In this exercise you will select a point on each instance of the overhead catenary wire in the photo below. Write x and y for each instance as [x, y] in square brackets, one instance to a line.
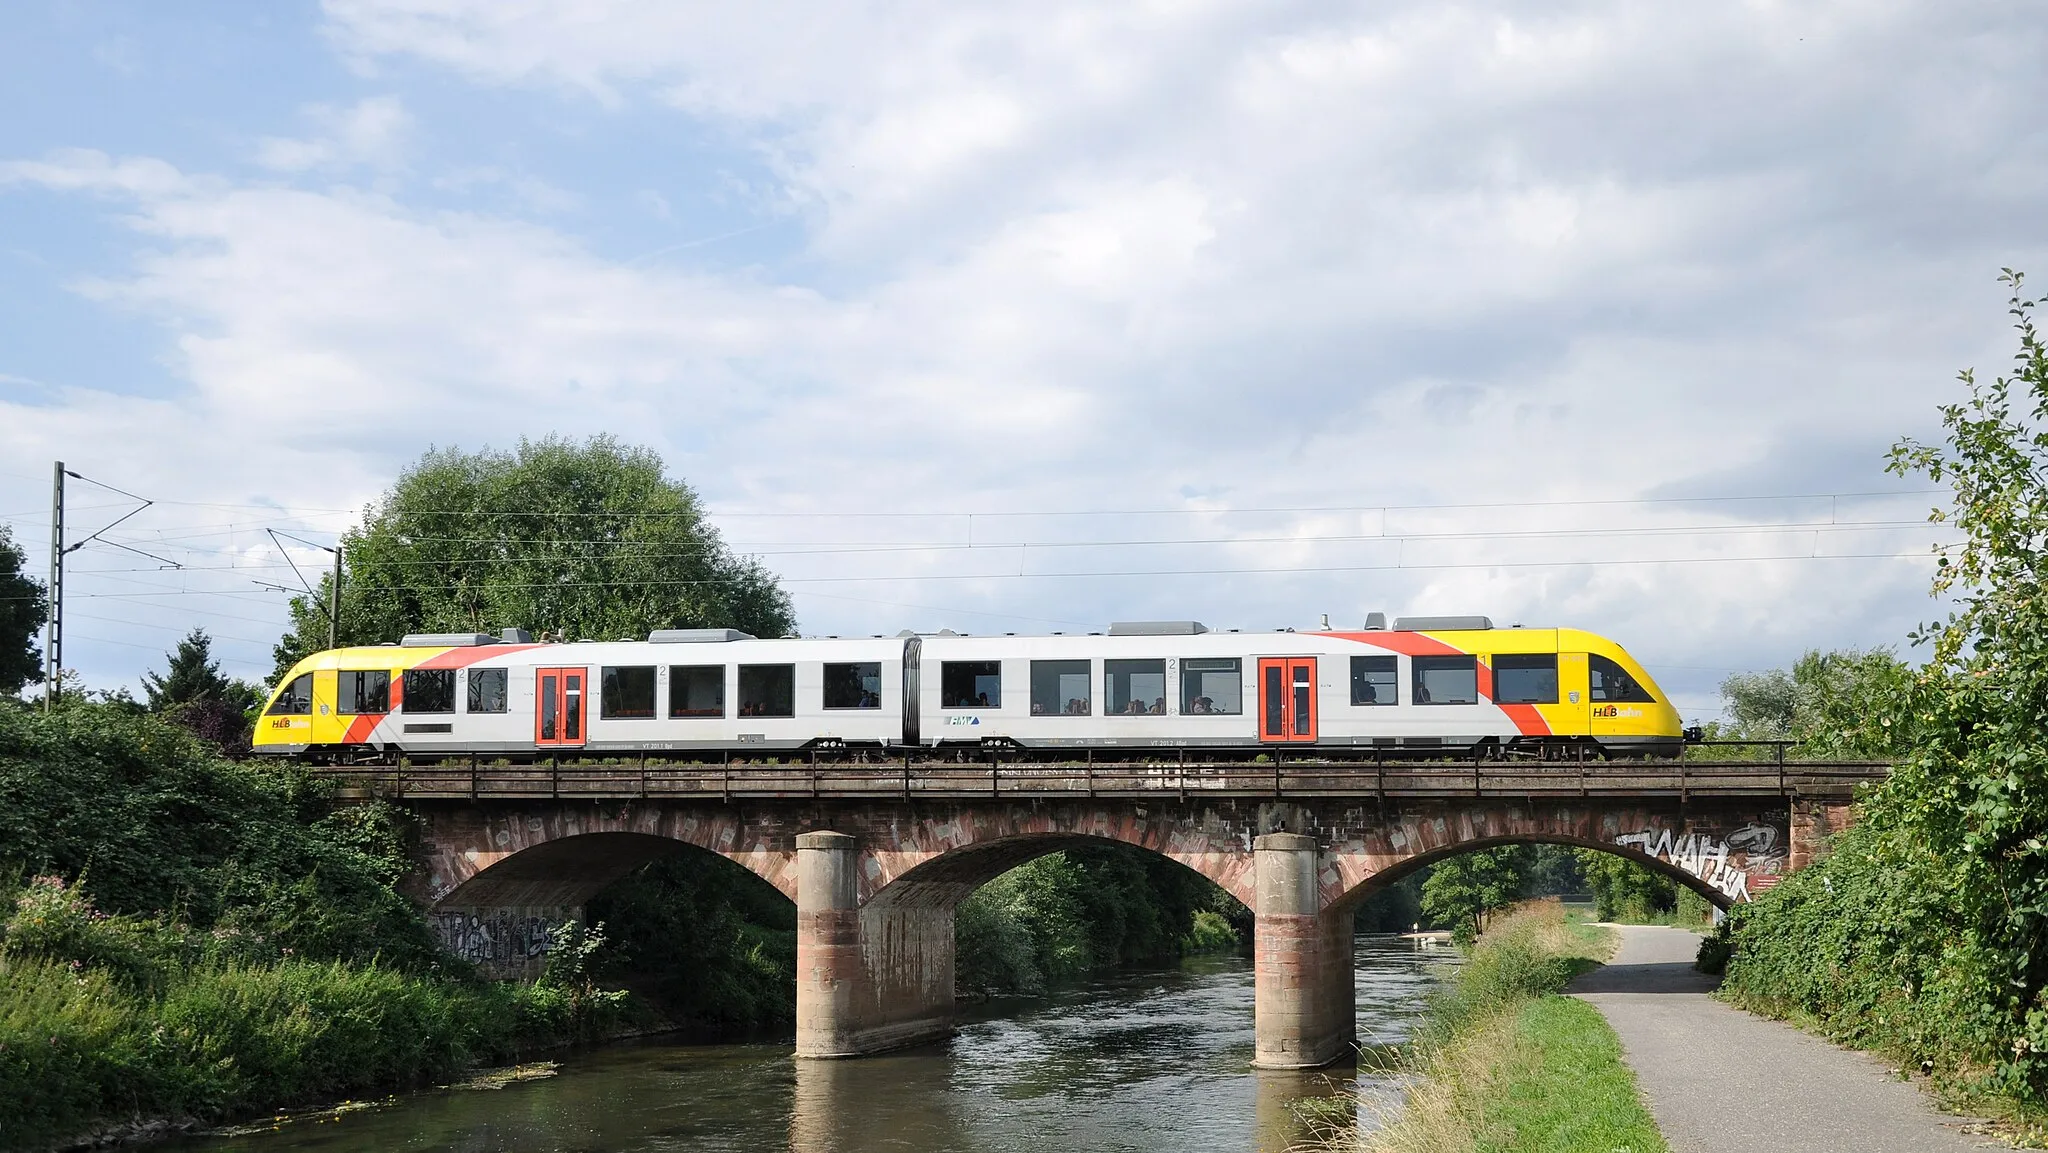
[799, 549]
[710, 512]
[198, 547]
[1290, 571]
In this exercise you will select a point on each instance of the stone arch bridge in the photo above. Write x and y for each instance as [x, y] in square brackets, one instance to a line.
[877, 858]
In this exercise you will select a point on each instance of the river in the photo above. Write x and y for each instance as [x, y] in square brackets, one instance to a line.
[1156, 1061]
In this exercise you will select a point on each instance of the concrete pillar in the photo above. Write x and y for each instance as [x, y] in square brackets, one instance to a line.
[1305, 1000]
[866, 979]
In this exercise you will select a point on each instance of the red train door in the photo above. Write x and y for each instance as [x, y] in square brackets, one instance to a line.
[1287, 699]
[558, 706]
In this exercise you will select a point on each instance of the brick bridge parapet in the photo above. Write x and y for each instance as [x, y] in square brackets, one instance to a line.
[876, 881]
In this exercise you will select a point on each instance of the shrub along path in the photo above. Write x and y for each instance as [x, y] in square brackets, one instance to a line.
[1718, 1078]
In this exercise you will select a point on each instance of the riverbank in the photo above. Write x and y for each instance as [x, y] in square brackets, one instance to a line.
[85, 1055]
[1505, 1062]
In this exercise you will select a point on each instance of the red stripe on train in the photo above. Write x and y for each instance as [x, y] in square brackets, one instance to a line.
[1528, 721]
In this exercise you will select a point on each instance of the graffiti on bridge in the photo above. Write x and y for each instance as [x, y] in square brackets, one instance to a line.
[499, 941]
[1744, 860]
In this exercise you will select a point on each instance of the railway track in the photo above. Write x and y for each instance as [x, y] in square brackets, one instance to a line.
[952, 780]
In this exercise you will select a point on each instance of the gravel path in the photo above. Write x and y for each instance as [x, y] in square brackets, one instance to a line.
[1717, 1078]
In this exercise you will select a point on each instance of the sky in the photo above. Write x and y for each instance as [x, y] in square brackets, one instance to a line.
[1021, 317]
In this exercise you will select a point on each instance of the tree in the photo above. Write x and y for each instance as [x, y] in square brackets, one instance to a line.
[24, 609]
[193, 675]
[194, 693]
[1845, 704]
[1963, 819]
[1462, 890]
[1760, 705]
[1625, 890]
[1551, 870]
[580, 541]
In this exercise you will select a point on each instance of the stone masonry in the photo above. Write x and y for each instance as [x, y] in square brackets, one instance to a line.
[876, 883]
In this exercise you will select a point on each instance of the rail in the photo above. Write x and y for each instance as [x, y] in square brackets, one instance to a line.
[993, 779]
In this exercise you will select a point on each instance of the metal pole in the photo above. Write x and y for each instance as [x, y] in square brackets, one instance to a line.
[53, 636]
[334, 598]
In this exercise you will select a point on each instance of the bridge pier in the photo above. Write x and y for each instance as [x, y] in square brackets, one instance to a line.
[1306, 1012]
[867, 978]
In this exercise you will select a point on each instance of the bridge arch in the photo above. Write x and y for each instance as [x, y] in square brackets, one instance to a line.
[503, 916]
[946, 878]
[560, 855]
[1394, 873]
[1725, 855]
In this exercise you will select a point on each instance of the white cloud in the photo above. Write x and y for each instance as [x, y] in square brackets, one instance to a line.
[86, 170]
[373, 132]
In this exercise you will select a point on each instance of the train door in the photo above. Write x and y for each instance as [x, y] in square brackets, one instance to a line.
[328, 726]
[1576, 703]
[558, 706]
[1287, 699]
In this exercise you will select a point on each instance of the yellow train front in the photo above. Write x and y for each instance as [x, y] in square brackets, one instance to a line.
[1444, 686]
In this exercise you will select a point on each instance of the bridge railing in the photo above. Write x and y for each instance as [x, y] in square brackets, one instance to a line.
[957, 781]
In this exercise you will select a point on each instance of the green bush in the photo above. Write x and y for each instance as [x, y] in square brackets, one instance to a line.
[1211, 932]
[163, 824]
[994, 951]
[1520, 957]
[53, 919]
[710, 944]
[1087, 910]
[1715, 951]
[80, 1050]
[1868, 952]
[200, 938]
[1626, 890]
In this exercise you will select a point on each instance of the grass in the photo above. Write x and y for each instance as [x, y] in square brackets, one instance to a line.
[1504, 1064]
[83, 1053]
[117, 1024]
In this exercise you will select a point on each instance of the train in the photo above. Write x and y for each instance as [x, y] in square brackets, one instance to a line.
[1426, 686]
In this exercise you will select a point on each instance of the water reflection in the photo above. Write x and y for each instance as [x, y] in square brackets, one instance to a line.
[1149, 1061]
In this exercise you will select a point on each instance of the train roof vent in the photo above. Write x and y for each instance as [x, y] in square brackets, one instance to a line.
[697, 636]
[1441, 624]
[1156, 628]
[446, 640]
[514, 637]
[1375, 622]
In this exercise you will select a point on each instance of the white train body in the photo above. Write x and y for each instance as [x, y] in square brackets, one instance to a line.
[1152, 686]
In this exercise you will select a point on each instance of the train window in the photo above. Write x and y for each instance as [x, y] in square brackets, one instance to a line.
[971, 684]
[628, 692]
[1375, 681]
[487, 690]
[1133, 688]
[1525, 678]
[696, 690]
[1211, 685]
[1061, 689]
[1611, 682]
[429, 691]
[854, 686]
[767, 690]
[1446, 680]
[296, 700]
[364, 692]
